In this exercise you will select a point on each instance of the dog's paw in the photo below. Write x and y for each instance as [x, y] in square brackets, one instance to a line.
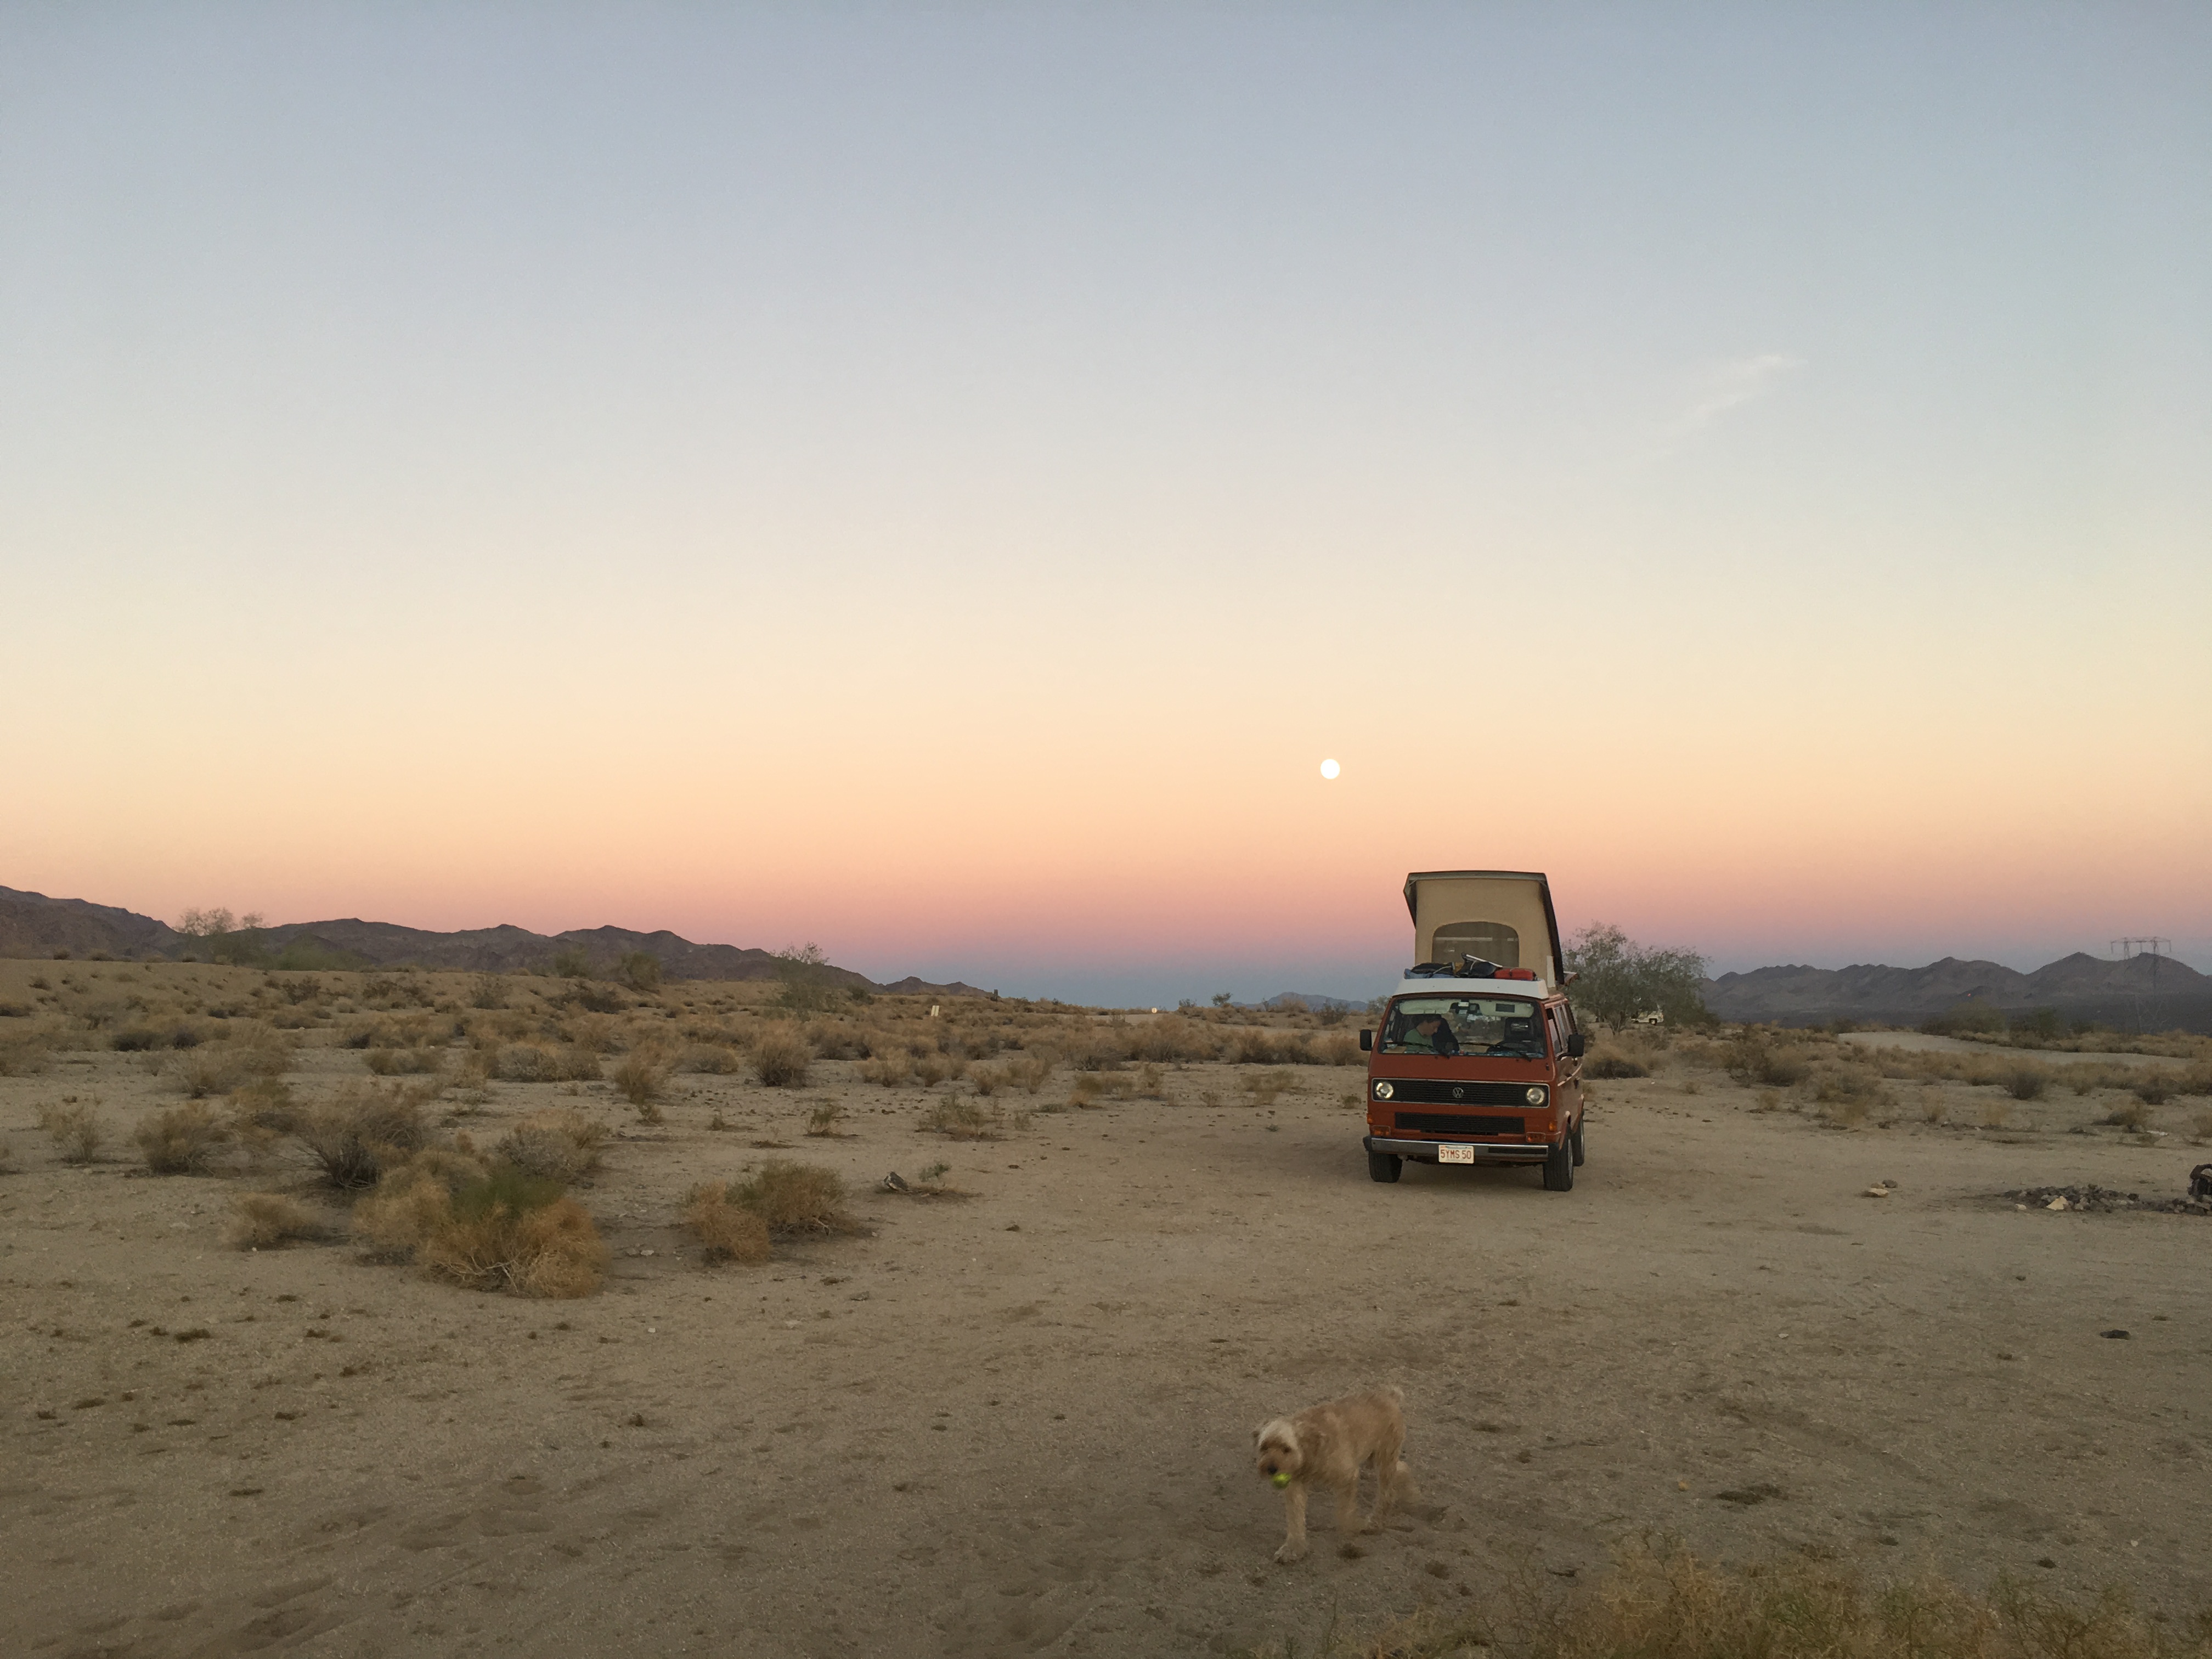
[1290, 1552]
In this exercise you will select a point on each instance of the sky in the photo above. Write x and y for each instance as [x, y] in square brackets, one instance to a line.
[939, 481]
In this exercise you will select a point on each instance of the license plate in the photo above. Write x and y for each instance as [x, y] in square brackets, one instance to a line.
[1454, 1154]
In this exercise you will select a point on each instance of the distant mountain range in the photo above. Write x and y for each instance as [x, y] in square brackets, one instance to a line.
[32, 925]
[2149, 993]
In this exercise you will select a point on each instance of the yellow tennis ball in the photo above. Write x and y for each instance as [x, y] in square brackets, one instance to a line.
[1283, 1478]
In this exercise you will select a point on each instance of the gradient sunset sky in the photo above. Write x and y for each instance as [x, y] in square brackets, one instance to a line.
[939, 481]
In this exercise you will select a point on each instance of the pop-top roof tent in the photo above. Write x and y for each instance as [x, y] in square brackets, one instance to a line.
[1502, 916]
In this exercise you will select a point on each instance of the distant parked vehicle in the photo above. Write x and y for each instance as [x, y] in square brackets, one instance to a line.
[1476, 1059]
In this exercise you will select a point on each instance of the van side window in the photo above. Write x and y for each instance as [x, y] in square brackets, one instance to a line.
[1487, 941]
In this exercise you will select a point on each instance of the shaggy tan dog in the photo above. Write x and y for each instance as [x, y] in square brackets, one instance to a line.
[1326, 1444]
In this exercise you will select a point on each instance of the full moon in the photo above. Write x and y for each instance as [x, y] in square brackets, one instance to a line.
[1329, 769]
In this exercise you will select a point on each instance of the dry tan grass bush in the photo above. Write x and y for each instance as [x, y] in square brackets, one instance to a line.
[22, 1056]
[594, 1033]
[781, 1056]
[397, 1062]
[2200, 1127]
[265, 1221]
[2133, 1115]
[1151, 1084]
[2027, 1081]
[961, 1118]
[1031, 1072]
[823, 1120]
[1755, 1058]
[712, 1058]
[1996, 1115]
[725, 1232]
[986, 1080]
[355, 1137]
[411, 1197]
[216, 1069]
[1265, 1088]
[183, 1139]
[1660, 1601]
[561, 1146]
[76, 1129]
[888, 1070]
[534, 1062]
[796, 1199]
[1172, 1040]
[517, 1234]
[1607, 1062]
[837, 1039]
[640, 1075]
[1338, 1048]
[2153, 1089]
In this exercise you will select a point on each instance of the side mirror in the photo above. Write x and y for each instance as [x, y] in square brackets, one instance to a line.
[1576, 1044]
[1367, 1042]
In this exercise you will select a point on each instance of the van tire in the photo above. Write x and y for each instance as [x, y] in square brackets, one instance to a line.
[1560, 1167]
[1578, 1143]
[1384, 1166]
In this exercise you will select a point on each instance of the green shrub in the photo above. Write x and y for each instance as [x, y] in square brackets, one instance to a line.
[795, 1198]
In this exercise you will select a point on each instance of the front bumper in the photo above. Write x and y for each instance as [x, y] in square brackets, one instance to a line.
[1489, 1152]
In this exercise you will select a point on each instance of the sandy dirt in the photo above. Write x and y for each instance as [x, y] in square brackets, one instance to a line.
[1019, 1422]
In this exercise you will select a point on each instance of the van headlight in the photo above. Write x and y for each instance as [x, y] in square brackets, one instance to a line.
[1536, 1096]
[1383, 1091]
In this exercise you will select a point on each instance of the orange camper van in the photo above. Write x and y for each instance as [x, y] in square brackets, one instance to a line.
[1477, 1059]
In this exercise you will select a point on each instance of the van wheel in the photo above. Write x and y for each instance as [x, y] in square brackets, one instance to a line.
[1559, 1169]
[1384, 1166]
[1578, 1143]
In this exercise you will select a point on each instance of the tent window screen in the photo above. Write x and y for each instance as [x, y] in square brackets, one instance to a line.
[1486, 941]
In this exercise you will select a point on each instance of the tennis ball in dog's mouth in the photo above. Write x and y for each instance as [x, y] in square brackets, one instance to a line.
[1282, 1478]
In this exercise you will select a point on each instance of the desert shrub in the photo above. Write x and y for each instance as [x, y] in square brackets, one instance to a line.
[2200, 1127]
[1753, 1058]
[355, 1137]
[22, 1056]
[216, 1069]
[414, 1195]
[1608, 1062]
[2153, 1088]
[725, 1232]
[888, 1070]
[960, 1117]
[145, 1038]
[1151, 1084]
[395, 1062]
[2027, 1082]
[795, 1198]
[1265, 1088]
[640, 1074]
[516, 1233]
[263, 1221]
[712, 1058]
[76, 1129]
[640, 971]
[1996, 1115]
[2196, 1080]
[834, 1039]
[930, 1070]
[561, 1146]
[780, 1057]
[182, 1140]
[986, 1080]
[534, 1062]
[823, 1120]
[488, 991]
[1339, 1048]
[1172, 1039]
[2134, 1115]
[264, 1104]
[1968, 1019]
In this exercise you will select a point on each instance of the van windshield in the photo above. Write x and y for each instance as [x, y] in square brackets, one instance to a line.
[1505, 1027]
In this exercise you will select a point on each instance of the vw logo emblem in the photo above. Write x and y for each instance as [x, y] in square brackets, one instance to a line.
[1458, 1093]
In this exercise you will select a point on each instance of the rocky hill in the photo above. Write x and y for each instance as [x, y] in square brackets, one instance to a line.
[32, 925]
[2150, 992]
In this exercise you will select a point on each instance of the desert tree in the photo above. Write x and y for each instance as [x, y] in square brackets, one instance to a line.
[1616, 979]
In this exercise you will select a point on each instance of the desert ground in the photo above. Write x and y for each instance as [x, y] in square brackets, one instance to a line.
[1013, 1414]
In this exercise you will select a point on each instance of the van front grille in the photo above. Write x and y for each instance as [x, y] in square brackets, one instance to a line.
[1435, 1092]
[1460, 1123]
